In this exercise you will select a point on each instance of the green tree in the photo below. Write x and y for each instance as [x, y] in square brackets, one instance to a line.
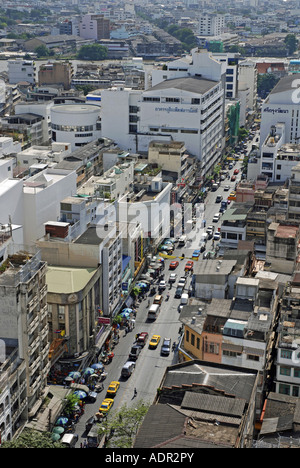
[72, 401]
[265, 84]
[92, 52]
[292, 43]
[121, 427]
[42, 51]
[32, 439]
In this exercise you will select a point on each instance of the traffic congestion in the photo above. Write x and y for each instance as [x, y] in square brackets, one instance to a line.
[150, 344]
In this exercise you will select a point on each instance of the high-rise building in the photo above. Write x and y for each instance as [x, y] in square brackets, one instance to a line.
[211, 24]
[94, 27]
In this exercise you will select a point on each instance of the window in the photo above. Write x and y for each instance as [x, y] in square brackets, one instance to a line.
[195, 101]
[285, 370]
[286, 354]
[187, 335]
[192, 339]
[252, 357]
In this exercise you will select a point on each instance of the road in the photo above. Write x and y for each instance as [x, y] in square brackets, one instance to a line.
[150, 365]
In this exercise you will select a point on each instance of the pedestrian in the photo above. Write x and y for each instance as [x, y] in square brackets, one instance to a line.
[135, 392]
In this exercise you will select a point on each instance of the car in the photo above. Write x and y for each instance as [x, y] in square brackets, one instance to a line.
[142, 338]
[216, 217]
[196, 254]
[233, 178]
[166, 346]
[219, 199]
[106, 405]
[222, 209]
[173, 265]
[210, 229]
[178, 292]
[181, 282]
[135, 352]
[189, 265]
[217, 236]
[113, 387]
[226, 188]
[155, 339]
[236, 171]
[162, 285]
[172, 278]
[158, 299]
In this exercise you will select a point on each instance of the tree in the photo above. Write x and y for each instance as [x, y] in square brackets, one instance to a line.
[291, 42]
[42, 51]
[72, 401]
[121, 427]
[32, 439]
[92, 52]
[265, 84]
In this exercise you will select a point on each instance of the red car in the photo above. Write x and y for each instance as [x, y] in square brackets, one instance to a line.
[233, 178]
[189, 265]
[236, 171]
[173, 265]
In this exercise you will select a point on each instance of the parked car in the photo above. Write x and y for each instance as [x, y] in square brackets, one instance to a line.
[217, 236]
[142, 338]
[233, 178]
[181, 282]
[219, 199]
[216, 217]
[166, 346]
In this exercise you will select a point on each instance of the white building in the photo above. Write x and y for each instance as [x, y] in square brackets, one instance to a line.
[158, 112]
[42, 195]
[77, 124]
[43, 154]
[211, 24]
[282, 106]
[247, 78]
[21, 70]
[42, 109]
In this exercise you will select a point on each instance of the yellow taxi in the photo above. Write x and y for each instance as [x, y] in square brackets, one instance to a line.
[113, 387]
[154, 341]
[106, 405]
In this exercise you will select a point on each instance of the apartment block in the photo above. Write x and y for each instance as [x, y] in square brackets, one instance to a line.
[21, 71]
[59, 73]
[24, 327]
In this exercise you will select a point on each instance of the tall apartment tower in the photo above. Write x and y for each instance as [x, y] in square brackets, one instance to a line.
[94, 27]
[211, 25]
[24, 328]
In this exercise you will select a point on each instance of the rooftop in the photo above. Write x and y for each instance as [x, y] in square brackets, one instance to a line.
[193, 85]
[68, 280]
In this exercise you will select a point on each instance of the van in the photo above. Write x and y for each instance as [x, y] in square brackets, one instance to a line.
[182, 241]
[153, 311]
[158, 299]
[127, 369]
[184, 299]
[69, 440]
[93, 437]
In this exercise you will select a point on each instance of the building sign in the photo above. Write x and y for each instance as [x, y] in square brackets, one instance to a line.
[276, 111]
[104, 320]
[191, 110]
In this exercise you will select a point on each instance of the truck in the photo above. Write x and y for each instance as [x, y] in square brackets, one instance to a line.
[153, 312]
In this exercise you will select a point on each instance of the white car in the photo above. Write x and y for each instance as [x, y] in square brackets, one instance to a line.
[162, 285]
[216, 217]
[172, 278]
[217, 236]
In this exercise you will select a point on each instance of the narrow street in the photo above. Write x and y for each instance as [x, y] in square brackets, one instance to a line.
[151, 365]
